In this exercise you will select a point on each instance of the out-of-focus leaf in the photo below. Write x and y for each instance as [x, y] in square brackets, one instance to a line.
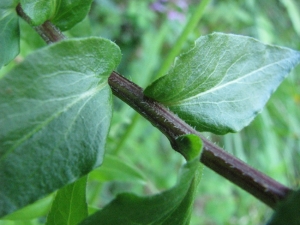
[69, 206]
[114, 168]
[288, 211]
[9, 32]
[38, 209]
[294, 13]
[55, 112]
[173, 206]
[70, 12]
[224, 81]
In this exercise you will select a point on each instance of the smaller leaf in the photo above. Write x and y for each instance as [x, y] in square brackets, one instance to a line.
[38, 10]
[63, 13]
[9, 33]
[69, 206]
[223, 81]
[188, 146]
[173, 206]
[288, 211]
[114, 168]
[70, 12]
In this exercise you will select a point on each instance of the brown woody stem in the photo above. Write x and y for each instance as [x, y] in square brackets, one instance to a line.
[256, 183]
[47, 30]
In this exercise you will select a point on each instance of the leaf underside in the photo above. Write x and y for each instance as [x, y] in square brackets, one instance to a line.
[223, 81]
[55, 111]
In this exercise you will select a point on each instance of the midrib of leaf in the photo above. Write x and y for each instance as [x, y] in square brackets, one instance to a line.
[62, 15]
[86, 94]
[4, 15]
[69, 215]
[4, 28]
[181, 102]
[67, 132]
[208, 77]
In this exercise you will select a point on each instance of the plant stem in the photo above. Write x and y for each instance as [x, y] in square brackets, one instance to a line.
[47, 30]
[189, 27]
[259, 185]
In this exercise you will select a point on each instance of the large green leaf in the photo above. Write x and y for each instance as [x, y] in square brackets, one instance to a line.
[70, 12]
[173, 206]
[55, 111]
[287, 211]
[9, 31]
[223, 81]
[69, 206]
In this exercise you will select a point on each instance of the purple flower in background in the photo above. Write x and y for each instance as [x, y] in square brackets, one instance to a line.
[159, 6]
[174, 9]
[181, 4]
[174, 15]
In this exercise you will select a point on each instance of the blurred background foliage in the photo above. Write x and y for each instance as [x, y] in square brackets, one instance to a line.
[139, 158]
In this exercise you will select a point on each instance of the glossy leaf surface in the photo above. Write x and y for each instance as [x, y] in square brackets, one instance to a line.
[55, 112]
[9, 32]
[173, 206]
[63, 13]
[39, 10]
[69, 206]
[224, 81]
[70, 12]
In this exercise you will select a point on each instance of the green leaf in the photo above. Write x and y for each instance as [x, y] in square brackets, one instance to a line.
[69, 206]
[38, 209]
[70, 12]
[223, 81]
[55, 112]
[63, 13]
[39, 10]
[9, 32]
[113, 168]
[173, 206]
[188, 146]
[288, 211]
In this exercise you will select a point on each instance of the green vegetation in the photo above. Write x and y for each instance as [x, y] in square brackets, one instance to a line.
[139, 158]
